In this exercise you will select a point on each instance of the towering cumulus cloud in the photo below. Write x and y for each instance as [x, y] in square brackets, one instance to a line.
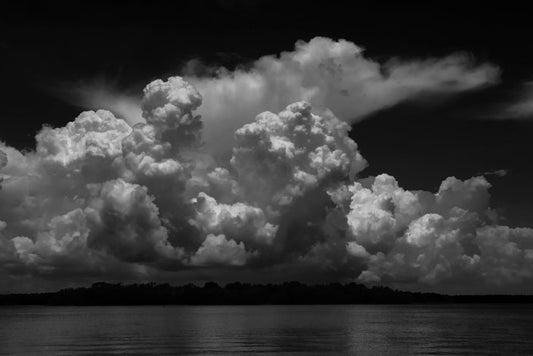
[330, 75]
[102, 199]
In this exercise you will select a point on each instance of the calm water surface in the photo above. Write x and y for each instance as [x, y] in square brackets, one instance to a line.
[268, 330]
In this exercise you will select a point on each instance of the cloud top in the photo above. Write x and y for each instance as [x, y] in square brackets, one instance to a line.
[331, 75]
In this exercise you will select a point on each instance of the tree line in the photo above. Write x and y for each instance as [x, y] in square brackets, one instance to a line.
[237, 293]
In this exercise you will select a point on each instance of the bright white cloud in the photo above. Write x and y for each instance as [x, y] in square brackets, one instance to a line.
[95, 135]
[100, 197]
[413, 239]
[330, 75]
[281, 157]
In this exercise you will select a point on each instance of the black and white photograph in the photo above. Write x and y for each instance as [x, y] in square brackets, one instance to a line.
[266, 177]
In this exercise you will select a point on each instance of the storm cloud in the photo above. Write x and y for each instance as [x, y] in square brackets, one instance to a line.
[102, 198]
[333, 76]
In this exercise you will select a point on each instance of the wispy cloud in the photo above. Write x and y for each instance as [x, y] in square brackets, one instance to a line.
[331, 75]
[519, 107]
[99, 94]
[498, 173]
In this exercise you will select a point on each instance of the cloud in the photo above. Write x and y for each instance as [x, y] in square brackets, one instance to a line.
[102, 95]
[240, 221]
[60, 244]
[100, 198]
[448, 238]
[92, 135]
[124, 221]
[498, 173]
[519, 108]
[3, 159]
[168, 107]
[216, 250]
[3, 163]
[280, 157]
[328, 74]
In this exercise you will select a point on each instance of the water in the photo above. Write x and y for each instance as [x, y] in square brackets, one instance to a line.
[269, 330]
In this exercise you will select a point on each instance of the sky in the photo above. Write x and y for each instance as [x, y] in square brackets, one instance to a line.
[378, 143]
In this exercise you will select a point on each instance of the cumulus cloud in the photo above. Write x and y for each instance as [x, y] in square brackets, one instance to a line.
[91, 136]
[60, 244]
[124, 221]
[101, 198]
[240, 221]
[330, 75]
[216, 250]
[168, 107]
[3, 159]
[280, 157]
[422, 239]
[3, 163]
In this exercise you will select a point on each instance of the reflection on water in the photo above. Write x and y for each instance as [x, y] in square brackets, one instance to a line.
[350, 329]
